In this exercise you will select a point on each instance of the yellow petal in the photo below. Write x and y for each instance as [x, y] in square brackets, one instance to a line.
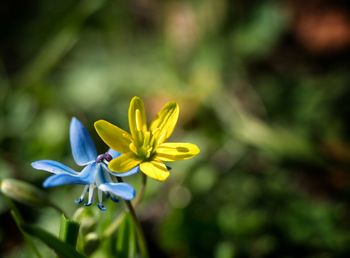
[137, 119]
[155, 169]
[113, 136]
[172, 151]
[163, 125]
[124, 163]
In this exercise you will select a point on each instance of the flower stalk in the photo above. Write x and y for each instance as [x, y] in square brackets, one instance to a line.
[138, 228]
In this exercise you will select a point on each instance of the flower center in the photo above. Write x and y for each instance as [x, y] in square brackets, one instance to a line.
[105, 156]
[144, 147]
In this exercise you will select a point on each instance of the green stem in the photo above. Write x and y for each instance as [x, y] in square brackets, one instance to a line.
[69, 231]
[113, 227]
[139, 232]
[139, 197]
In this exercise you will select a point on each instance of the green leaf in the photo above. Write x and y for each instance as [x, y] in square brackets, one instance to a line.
[126, 240]
[69, 231]
[17, 217]
[60, 247]
[91, 243]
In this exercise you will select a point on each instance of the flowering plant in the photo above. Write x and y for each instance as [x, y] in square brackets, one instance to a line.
[144, 149]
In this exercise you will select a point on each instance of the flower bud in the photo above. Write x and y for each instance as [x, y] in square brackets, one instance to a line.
[86, 218]
[23, 192]
[92, 242]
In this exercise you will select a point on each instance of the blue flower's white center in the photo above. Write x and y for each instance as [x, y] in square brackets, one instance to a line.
[101, 176]
[89, 189]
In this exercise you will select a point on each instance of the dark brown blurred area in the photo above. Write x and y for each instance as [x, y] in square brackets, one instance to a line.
[322, 27]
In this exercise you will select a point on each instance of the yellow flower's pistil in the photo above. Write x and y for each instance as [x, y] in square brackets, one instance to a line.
[145, 146]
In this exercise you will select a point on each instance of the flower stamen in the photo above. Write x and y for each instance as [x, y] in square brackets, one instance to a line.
[81, 198]
[100, 200]
[91, 195]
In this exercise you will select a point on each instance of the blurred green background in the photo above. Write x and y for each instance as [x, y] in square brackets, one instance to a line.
[264, 91]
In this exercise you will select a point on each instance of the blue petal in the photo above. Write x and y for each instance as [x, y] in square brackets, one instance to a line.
[85, 177]
[128, 173]
[124, 190]
[83, 148]
[88, 174]
[114, 153]
[102, 175]
[52, 166]
[63, 179]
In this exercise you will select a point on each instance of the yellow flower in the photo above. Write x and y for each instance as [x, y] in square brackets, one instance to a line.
[145, 146]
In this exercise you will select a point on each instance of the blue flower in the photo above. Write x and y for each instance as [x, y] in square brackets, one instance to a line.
[95, 174]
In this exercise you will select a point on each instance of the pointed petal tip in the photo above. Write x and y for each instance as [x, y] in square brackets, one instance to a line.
[113, 136]
[75, 122]
[82, 145]
[172, 151]
[38, 163]
[124, 190]
[52, 166]
[135, 98]
[165, 121]
[196, 149]
[161, 178]
[48, 183]
[155, 169]
[34, 164]
[172, 104]
[131, 195]
[101, 124]
[98, 122]
[74, 119]
[136, 102]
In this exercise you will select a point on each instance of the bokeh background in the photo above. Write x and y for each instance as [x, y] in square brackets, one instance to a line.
[264, 89]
